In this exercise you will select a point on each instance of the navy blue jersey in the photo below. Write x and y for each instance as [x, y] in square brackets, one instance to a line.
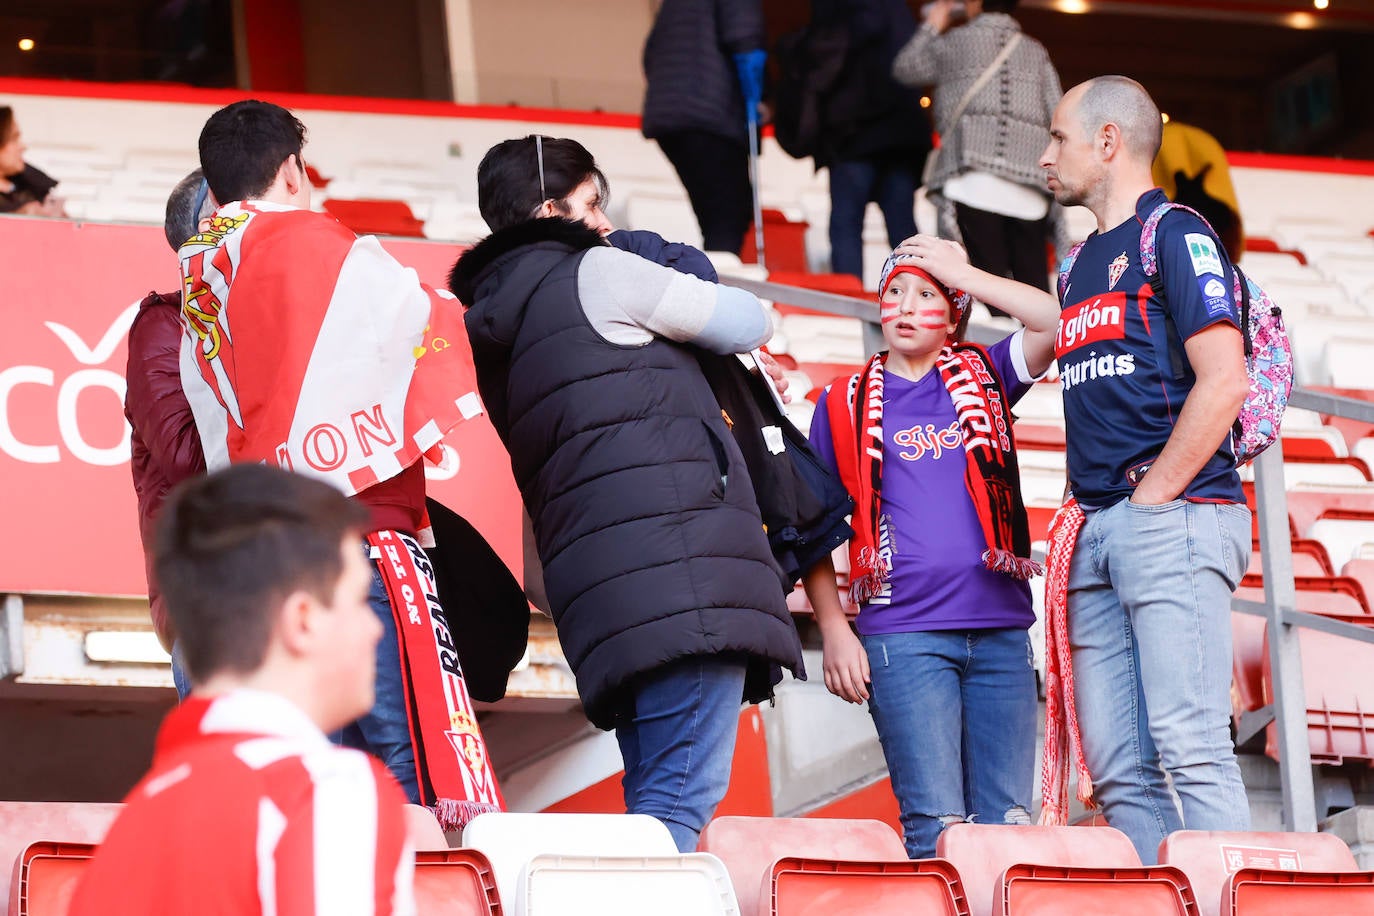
[1121, 393]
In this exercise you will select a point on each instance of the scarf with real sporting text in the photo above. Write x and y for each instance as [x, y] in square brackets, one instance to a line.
[451, 761]
[1063, 740]
[992, 477]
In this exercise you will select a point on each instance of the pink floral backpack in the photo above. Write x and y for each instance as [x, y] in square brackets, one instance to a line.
[1268, 352]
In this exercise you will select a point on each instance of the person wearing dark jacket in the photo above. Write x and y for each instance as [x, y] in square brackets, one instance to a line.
[694, 107]
[656, 566]
[23, 188]
[874, 135]
[164, 445]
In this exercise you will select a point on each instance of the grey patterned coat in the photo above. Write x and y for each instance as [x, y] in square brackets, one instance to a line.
[1006, 126]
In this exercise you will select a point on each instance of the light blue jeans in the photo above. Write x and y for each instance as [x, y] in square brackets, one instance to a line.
[677, 738]
[955, 712]
[1150, 625]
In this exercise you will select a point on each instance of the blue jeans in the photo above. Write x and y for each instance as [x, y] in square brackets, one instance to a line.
[385, 731]
[852, 186]
[1150, 625]
[677, 737]
[955, 712]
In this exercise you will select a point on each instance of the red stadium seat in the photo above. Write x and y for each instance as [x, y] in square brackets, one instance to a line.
[784, 243]
[1050, 890]
[1256, 243]
[1331, 596]
[1305, 506]
[839, 284]
[455, 882]
[1247, 663]
[749, 847]
[1039, 435]
[1338, 682]
[1353, 430]
[24, 823]
[1262, 892]
[375, 217]
[1362, 571]
[1208, 857]
[822, 887]
[981, 852]
[45, 876]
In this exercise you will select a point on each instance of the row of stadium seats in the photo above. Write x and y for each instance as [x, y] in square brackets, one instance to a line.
[626, 864]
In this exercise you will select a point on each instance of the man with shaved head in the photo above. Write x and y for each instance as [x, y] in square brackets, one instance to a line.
[1153, 372]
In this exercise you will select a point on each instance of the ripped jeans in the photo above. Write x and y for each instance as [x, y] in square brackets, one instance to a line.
[955, 712]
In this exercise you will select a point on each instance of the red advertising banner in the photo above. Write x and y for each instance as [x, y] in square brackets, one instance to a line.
[68, 517]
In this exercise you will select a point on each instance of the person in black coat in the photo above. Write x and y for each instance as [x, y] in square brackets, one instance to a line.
[695, 109]
[875, 135]
[658, 572]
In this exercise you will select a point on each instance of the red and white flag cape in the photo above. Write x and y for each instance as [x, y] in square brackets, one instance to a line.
[315, 350]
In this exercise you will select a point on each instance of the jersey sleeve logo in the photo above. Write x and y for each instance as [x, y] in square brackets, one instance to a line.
[1090, 321]
[1203, 252]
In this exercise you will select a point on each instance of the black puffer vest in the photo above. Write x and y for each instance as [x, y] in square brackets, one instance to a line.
[643, 512]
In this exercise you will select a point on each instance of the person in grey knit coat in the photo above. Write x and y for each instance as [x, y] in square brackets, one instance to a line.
[987, 184]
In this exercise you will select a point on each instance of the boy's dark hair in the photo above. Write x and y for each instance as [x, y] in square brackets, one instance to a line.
[244, 144]
[998, 6]
[183, 214]
[6, 123]
[231, 546]
[508, 185]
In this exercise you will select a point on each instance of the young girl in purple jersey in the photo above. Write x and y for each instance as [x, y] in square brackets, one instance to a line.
[940, 557]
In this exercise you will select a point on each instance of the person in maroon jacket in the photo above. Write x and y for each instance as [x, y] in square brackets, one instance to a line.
[165, 445]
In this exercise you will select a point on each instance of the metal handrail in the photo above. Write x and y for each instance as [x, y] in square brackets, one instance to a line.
[1279, 609]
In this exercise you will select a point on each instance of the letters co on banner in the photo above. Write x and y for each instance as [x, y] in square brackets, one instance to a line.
[69, 292]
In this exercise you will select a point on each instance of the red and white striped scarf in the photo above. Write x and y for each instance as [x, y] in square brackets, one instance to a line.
[453, 767]
[991, 477]
[1062, 736]
[313, 349]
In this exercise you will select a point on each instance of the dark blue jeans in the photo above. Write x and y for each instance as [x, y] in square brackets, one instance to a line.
[385, 731]
[677, 737]
[955, 712]
[852, 186]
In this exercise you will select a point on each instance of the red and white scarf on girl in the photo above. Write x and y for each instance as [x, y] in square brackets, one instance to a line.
[992, 478]
[451, 761]
[1062, 736]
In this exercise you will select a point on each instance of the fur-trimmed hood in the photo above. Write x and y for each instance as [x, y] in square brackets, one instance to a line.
[465, 279]
[497, 277]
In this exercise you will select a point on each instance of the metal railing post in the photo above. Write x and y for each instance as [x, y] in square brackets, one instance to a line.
[1285, 660]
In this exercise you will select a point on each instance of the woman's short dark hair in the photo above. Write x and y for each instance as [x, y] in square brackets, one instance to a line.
[508, 178]
[233, 545]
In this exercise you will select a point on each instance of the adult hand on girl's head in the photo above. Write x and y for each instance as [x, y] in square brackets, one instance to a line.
[942, 259]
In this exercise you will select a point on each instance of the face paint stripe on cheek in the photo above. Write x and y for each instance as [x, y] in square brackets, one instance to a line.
[891, 313]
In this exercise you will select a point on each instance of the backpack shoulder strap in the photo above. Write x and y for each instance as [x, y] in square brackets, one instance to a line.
[1149, 262]
[1067, 265]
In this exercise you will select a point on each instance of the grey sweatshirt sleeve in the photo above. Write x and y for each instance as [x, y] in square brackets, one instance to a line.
[629, 300]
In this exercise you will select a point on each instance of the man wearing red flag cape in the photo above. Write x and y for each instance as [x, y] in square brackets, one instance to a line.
[310, 348]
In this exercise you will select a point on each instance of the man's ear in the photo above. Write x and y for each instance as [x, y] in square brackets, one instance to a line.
[298, 622]
[1109, 140]
[293, 173]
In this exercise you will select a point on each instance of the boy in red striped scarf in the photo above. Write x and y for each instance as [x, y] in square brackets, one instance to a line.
[922, 439]
[247, 807]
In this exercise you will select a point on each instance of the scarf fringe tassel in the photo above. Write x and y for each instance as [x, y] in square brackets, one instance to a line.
[870, 583]
[454, 814]
[1004, 561]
